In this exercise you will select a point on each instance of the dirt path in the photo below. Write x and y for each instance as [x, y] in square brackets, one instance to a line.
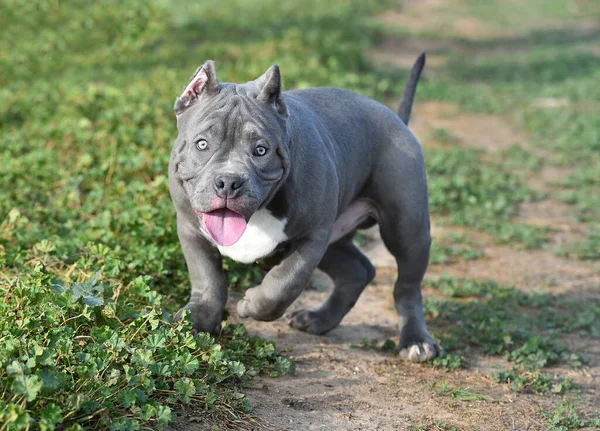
[340, 387]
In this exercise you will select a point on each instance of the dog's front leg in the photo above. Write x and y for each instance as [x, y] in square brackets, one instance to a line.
[209, 284]
[284, 282]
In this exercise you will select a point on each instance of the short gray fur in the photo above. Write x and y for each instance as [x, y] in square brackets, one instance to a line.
[327, 150]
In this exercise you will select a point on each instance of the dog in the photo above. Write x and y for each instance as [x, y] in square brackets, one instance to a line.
[256, 172]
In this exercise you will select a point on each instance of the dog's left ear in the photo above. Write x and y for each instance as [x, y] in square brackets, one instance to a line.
[203, 81]
[269, 89]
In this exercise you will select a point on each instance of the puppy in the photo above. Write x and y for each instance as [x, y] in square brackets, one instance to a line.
[256, 172]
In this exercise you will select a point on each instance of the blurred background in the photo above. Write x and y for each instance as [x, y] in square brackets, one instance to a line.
[87, 89]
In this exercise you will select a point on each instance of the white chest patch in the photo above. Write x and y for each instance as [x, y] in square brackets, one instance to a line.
[263, 233]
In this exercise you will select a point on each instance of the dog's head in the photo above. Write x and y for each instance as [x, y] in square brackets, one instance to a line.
[233, 148]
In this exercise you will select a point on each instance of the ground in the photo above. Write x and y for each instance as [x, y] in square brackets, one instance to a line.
[91, 266]
[344, 381]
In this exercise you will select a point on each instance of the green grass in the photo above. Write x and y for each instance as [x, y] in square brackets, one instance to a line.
[501, 320]
[587, 248]
[503, 14]
[435, 426]
[537, 67]
[465, 394]
[453, 247]
[534, 381]
[544, 67]
[465, 191]
[565, 417]
[449, 362]
[474, 317]
[508, 72]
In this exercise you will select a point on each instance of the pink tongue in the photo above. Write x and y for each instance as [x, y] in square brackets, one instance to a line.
[224, 226]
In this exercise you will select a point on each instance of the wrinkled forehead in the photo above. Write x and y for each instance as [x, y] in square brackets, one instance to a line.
[233, 112]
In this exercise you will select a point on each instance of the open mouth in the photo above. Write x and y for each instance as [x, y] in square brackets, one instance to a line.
[224, 226]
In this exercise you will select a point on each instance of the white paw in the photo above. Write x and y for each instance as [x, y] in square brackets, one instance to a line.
[421, 351]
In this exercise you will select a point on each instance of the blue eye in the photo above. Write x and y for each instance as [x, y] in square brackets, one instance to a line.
[202, 144]
[260, 151]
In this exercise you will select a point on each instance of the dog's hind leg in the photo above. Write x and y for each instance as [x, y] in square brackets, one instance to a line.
[400, 191]
[409, 242]
[350, 271]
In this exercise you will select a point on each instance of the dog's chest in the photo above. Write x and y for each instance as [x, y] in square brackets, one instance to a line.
[262, 235]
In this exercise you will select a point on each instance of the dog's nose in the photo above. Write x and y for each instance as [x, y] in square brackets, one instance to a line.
[227, 184]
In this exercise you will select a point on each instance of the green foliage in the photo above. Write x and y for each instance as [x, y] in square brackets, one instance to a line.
[84, 156]
[543, 79]
[449, 362]
[99, 354]
[517, 158]
[564, 418]
[448, 249]
[586, 249]
[388, 345]
[540, 10]
[482, 196]
[462, 394]
[481, 314]
[533, 381]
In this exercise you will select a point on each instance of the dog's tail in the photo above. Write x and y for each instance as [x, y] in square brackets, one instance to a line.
[408, 95]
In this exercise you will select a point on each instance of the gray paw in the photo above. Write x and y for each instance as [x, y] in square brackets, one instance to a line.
[254, 305]
[312, 321]
[204, 319]
[421, 351]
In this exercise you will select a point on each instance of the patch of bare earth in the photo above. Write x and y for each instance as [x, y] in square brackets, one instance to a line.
[454, 19]
[439, 17]
[402, 53]
[412, 24]
[339, 387]
[481, 131]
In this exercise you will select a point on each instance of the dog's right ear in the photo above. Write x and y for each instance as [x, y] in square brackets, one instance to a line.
[203, 81]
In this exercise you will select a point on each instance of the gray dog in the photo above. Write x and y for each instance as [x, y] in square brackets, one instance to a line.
[256, 172]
